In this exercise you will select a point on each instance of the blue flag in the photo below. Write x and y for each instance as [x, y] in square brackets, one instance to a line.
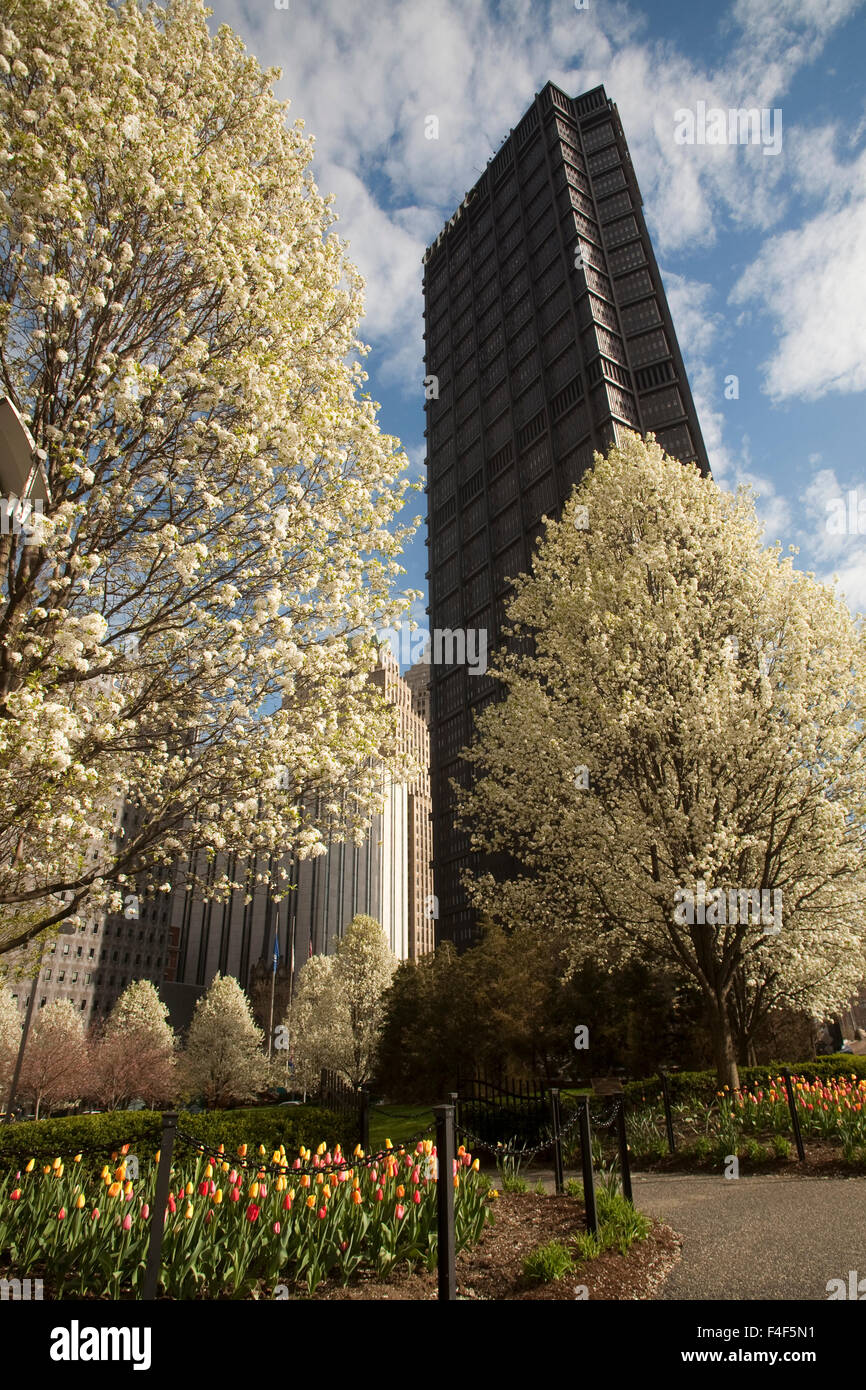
[276, 950]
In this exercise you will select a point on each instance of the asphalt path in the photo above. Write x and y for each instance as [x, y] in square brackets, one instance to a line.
[759, 1237]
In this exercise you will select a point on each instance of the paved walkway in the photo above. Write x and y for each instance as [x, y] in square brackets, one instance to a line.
[758, 1237]
[754, 1237]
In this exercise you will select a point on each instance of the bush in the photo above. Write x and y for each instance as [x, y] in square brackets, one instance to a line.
[619, 1226]
[271, 1126]
[548, 1262]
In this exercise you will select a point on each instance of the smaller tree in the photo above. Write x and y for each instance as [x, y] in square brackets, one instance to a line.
[338, 1013]
[53, 1068]
[10, 1038]
[223, 1061]
[133, 1054]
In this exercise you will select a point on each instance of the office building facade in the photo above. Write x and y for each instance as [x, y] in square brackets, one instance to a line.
[547, 333]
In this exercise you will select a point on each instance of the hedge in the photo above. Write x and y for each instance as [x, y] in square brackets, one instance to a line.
[704, 1086]
[142, 1130]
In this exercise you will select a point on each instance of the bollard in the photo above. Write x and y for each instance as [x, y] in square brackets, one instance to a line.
[669, 1123]
[624, 1166]
[795, 1118]
[586, 1161]
[445, 1155]
[556, 1123]
[160, 1202]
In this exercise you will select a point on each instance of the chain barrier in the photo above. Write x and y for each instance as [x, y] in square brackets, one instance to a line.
[528, 1151]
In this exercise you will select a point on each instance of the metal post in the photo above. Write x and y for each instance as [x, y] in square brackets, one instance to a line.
[454, 1099]
[586, 1162]
[795, 1118]
[624, 1166]
[364, 1119]
[445, 1155]
[555, 1120]
[160, 1202]
[669, 1123]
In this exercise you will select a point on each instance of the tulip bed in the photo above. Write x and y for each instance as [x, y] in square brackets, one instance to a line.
[232, 1228]
[832, 1110]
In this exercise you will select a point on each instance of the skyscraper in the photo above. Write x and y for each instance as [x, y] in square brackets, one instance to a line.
[547, 332]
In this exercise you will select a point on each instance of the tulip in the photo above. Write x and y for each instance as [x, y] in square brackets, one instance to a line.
[235, 1194]
[79, 1201]
[263, 1189]
[94, 1215]
[356, 1197]
[145, 1211]
[203, 1189]
[323, 1212]
[254, 1190]
[242, 1151]
[113, 1189]
[281, 1183]
[456, 1184]
[305, 1180]
[189, 1211]
[61, 1215]
[30, 1166]
[399, 1212]
[388, 1144]
[401, 1191]
[208, 1172]
[189, 1189]
[311, 1202]
[379, 1194]
[127, 1222]
[209, 1218]
[156, 1156]
[416, 1197]
[476, 1165]
[287, 1202]
[217, 1196]
[326, 1190]
[416, 1174]
[15, 1194]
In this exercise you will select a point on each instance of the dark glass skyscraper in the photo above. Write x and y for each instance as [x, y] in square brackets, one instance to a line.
[547, 331]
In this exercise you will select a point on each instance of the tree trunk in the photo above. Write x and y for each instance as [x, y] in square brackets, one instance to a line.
[724, 1052]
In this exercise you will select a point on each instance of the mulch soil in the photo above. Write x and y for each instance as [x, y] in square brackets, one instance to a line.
[491, 1269]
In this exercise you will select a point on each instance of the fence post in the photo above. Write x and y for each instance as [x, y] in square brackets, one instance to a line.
[624, 1166]
[454, 1099]
[586, 1162]
[795, 1118]
[669, 1123]
[555, 1119]
[445, 1155]
[160, 1202]
[364, 1118]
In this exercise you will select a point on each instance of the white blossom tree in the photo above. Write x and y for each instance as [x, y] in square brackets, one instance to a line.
[685, 727]
[10, 1036]
[132, 1055]
[337, 1016]
[223, 1061]
[191, 624]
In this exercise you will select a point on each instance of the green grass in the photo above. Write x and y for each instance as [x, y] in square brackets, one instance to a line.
[619, 1226]
[384, 1127]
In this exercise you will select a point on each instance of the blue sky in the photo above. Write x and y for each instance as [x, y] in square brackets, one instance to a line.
[763, 255]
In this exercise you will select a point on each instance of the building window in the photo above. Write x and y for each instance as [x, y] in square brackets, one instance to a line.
[47, 974]
[61, 976]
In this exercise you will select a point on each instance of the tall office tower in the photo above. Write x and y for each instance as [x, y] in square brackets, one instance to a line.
[547, 332]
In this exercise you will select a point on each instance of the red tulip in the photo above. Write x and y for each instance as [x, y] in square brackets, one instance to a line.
[127, 1222]
[252, 1212]
[145, 1212]
[209, 1218]
[399, 1212]
[15, 1194]
[379, 1194]
[94, 1215]
[172, 1204]
[323, 1212]
[344, 1245]
[287, 1202]
[416, 1197]
[61, 1215]
[235, 1194]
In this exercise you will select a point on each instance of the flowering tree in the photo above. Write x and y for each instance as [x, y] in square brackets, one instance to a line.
[190, 625]
[223, 1061]
[53, 1070]
[132, 1055]
[685, 731]
[10, 1036]
[338, 1013]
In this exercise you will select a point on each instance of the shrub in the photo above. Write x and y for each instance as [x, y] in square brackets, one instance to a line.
[548, 1262]
[270, 1125]
[703, 1085]
[620, 1224]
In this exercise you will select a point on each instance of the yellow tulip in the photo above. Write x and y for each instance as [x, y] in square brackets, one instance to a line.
[189, 1189]
[275, 1158]
[254, 1191]
[114, 1189]
[224, 1167]
[120, 1172]
[208, 1172]
[323, 1148]
[388, 1144]
[58, 1172]
[282, 1183]
[30, 1166]
[156, 1155]
[218, 1196]
[47, 1168]
[58, 1163]
[311, 1201]
[261, 1148]
[77, 1158]
[326, 1190]
[242, 1150]
[79, 1201]
[127, 1186]
[188, 1212]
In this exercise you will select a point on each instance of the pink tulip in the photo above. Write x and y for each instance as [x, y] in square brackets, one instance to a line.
[399, 1212]
[127, 1222]
[145, 1212]
[276, 1228]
